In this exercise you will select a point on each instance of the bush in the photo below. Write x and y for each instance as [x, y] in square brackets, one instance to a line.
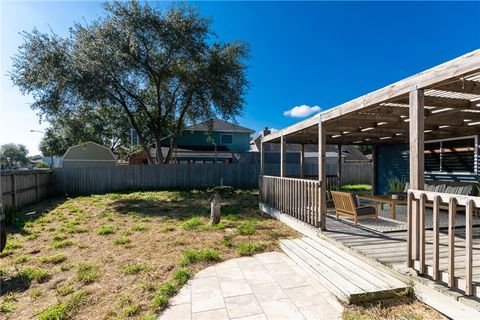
[247, 249]
[87, 273]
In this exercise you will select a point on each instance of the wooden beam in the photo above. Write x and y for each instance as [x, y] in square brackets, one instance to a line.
[322, 174]
[339, 166]
[282, 156]
[461, 86]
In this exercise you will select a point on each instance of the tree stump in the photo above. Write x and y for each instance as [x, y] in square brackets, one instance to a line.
[215, 206]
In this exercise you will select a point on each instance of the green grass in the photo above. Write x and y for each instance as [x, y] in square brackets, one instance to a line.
[121, 241]
[55, 259]
[20, 259]
[63, 310]
[247, 228]
[105, 230]
[88, 273]
[356, 187]
[134, 268]
[193, 256]
[62, 243]
[168, 228]
[192, 223]
[65, 290]
[182, 275]
[139, 227]
[247, 249]
[7, 307]
[37, 274]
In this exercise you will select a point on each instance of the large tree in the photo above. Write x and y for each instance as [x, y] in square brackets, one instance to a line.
[12, 154]
[160, 70]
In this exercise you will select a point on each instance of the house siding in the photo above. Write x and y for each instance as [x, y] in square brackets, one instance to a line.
[241, 140]
[393, 161]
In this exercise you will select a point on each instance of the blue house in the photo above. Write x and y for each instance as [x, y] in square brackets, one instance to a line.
[210, 141]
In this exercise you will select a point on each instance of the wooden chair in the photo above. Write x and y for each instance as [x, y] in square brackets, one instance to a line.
[347, 205]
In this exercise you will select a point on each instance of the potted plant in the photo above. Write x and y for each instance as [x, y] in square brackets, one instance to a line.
[396, 187]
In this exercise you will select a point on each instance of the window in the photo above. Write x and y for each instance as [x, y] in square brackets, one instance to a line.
[226, 139]
[451, 156]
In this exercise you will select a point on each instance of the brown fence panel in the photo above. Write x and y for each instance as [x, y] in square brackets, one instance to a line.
[21, 188]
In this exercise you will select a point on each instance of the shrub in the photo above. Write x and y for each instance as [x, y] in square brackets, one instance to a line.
[55, 259]
[193, 256]
[192, 223]
[247, 249]
[104, 230]
[87, 273]
[134, 268]
[121, 241]
[62, 243]
[247, 227]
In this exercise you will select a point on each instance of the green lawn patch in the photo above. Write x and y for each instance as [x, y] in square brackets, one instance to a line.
[134, 268]
[55, 259]
[356, 187]
[247, 228]
[88, 273]
[105, 230]
[193, 256]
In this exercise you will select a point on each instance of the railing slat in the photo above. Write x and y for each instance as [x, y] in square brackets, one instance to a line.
[409, 230]
[452, 208]
[468, 248]
[421, 228]
[436, 235]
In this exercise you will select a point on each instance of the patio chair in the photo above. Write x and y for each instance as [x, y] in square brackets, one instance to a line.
[347, 205]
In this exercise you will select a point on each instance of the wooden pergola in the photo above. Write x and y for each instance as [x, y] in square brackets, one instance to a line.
[440, 103]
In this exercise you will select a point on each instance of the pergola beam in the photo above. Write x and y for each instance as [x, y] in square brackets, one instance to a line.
[461, 86]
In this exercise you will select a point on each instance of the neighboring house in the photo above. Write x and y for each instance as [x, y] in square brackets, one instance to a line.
[88, 154]
[349, 153]
[206, 142]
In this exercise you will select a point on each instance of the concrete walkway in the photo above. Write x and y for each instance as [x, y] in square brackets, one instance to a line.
[266, 286]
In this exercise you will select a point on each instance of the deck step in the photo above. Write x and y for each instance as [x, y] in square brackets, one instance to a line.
[346, 276]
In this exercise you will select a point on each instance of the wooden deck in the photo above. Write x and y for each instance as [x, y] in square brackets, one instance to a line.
[349, 278]
[391, 248]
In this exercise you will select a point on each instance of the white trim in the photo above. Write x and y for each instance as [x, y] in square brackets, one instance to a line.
[222, 135]
[462, 173]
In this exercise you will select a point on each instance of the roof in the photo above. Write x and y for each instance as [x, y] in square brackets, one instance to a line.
[451, 94]
[89, 151]
[218, 125]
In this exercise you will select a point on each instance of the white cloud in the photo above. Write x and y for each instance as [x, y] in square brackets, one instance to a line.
[301, 111]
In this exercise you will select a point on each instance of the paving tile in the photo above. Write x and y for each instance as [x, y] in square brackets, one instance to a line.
[207, 272]
[227, 264]
[280, 268]
[219, 314]
[259, 277]
[268, 291]
[241, 306]
[181, 311]
[229, 274]
[290, 280]
[205, 284]
[271, 257]
[304, 296]
[235, 288]
[332, 300]
[260, 316]
[320, 312]
[183, 296]
[281, 309]
[251, 265]
[205, 301]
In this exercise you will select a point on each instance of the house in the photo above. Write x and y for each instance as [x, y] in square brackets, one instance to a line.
[88, 154]
[210, 141]
[349, 153]
[424, 128]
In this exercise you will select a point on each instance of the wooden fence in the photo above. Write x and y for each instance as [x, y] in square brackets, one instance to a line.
[20, 188]
[84, 181]
[299, 198]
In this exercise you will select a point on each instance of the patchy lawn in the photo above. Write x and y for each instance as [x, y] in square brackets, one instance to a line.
[123, 255]
[392, 309]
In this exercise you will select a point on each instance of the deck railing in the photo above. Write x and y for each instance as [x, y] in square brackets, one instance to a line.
[298, 198]
[417, 201]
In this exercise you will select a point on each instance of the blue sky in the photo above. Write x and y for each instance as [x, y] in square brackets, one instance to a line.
[309, 53]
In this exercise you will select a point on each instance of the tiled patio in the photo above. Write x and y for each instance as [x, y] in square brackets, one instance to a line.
[266, 286]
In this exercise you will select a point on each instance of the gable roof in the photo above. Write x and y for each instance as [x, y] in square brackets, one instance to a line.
[218, 125]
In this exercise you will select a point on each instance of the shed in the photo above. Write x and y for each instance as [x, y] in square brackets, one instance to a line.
[88, 154]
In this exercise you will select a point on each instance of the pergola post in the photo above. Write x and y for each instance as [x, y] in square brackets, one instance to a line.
[262, 159]
[302, 161]
[282, 156]
[416, 137]
[322, 137]
[339, 166]
[374, 168]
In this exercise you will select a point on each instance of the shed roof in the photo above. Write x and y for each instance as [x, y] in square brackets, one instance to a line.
[218, 125]
[452, 109]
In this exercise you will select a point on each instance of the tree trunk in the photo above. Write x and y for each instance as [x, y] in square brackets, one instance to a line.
[173, 145]
[158, 149]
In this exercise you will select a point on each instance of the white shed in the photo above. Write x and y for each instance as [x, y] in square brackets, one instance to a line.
[88, 154]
